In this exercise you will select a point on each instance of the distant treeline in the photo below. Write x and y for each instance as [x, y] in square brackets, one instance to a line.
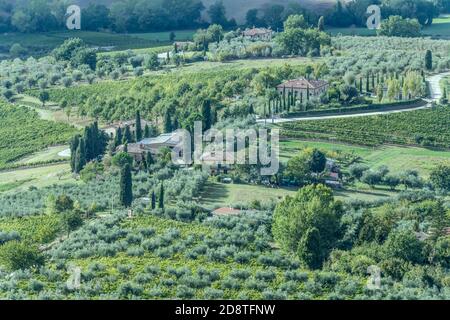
[143, 16]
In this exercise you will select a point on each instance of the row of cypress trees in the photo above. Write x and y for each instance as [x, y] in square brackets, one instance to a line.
[87, 147]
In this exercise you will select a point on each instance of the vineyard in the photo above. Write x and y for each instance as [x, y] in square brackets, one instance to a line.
[421, 127]
[154, 258]
[22, 133]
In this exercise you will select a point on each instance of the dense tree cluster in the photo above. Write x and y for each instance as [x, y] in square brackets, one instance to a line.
[88, 147]
[121, 16]
[353, 12]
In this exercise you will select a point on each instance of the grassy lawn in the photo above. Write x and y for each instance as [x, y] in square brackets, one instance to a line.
[220, 194]
[439, 28]
[41, 43]
[245, 64]
[38, 177]
[395, 157]
[52, 112]
[48, 154]
[360, 31]
[181, 35]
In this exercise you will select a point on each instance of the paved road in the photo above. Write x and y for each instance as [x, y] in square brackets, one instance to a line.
[435, 93]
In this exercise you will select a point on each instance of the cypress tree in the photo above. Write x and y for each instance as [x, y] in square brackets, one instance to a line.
[429, 60]
[138, 127]
[284, 98]
[146, 131]
[167, 124]
[119, 137]
[74, 143]
[367, 83]
[80, 157]
[360, 85]
[292, 99]
[126, 186]
[307, 92]
[149, 159]
[88, 143]
[373, 82]
[161, 197]
[127, 137]
[206, 114]
[153, 200]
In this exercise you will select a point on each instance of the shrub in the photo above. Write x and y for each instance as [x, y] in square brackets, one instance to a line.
[295, 275]
[230, 283]
[258, 285]
[240, 274]
[128, 289]
[135, 251]
[266, 275]
[184, 292]
[212, 294]
[15, 255]
[274, 295]
[124, 268]
[36, 285]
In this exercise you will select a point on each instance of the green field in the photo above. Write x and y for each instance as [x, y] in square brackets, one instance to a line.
[42, 43]
[21, 179]
[221, 194]
[23, 133]
[426, 127]
[48, 154]
[356, 31]
[439, 28]
[224, 195]
[397, 158]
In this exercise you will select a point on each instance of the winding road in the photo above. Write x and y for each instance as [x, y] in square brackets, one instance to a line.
[435, 95]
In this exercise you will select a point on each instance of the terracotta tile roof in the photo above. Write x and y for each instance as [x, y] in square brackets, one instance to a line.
[225, 211]
[256, 32]
[303, 83]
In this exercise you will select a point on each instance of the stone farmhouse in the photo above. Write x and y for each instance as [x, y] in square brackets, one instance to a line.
[302, 86]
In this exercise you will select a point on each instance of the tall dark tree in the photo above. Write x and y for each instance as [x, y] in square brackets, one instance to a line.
[138, 127]
[74, 143]
[217, 13]
[146, 131]
[318, 161]
[126, 186]
[429, 60]
[161, 197]
[167, 123]
[206, 114]
[80, 157]
[119, 137]
[127, 137]
[153, 200]
[149, 159]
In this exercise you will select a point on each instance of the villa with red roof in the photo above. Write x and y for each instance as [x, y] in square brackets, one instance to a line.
[301, 86]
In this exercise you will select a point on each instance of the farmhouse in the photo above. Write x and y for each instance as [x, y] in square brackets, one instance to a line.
[226, 211]
[153, 145]
[183, 45]
[111, 129]
[302, 87]
[258, 34]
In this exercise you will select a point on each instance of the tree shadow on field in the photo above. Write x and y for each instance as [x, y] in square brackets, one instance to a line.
[213, 193]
